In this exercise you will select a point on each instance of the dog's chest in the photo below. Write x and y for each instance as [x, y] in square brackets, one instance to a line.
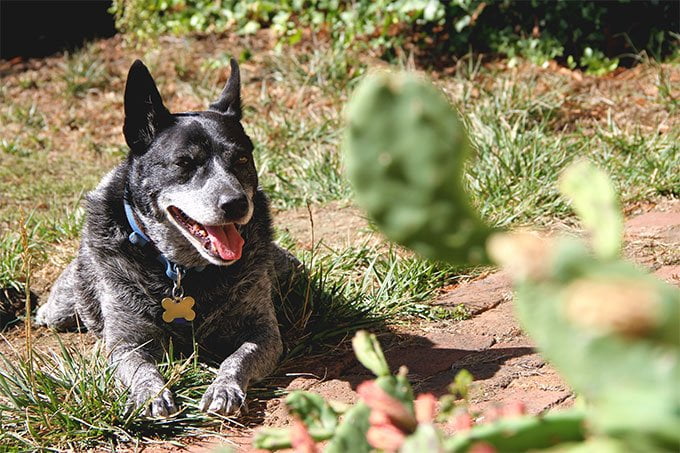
[212, 331]
[191, 302]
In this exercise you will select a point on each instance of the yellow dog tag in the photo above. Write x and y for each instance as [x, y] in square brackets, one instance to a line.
[182, 308]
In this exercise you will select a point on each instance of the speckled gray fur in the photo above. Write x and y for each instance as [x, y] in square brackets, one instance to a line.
[196, 162]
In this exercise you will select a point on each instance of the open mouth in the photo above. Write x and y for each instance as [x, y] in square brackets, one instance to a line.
[220, 241]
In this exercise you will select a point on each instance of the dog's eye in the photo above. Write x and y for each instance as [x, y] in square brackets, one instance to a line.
[184, 161]
[242, 160]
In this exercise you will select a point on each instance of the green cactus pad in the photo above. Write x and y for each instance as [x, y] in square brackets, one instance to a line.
[369, 353]
[524, 433]
[351, 433]
[630, 378]
[594, 198]
[406, 151]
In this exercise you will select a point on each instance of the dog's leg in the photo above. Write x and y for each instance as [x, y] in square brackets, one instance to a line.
[254, 359]
[133, 346]
[285, 269]
[136, 369]
[285, 272]
[59, 311]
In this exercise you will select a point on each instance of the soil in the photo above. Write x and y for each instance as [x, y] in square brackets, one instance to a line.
[337, 225]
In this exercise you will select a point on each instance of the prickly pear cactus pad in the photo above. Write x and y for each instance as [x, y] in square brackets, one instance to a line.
[610, 328]
[612, 332]
[594, 198]
[406, 151]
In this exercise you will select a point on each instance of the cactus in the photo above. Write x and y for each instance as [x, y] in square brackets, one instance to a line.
[594, 199]
[386, 419]
[392, 392]
[611, 330]
[522, 433]
[369, 353]
[406, 151]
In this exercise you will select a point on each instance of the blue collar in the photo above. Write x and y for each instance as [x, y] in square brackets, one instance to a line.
[137, 237]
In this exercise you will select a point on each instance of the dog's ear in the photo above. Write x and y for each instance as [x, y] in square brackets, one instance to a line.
[229, 101]
[145, 114]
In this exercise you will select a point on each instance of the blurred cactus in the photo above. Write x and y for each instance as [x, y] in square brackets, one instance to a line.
[406, 151]
[521, 433]
[384, 414]
[594, 199]
[369, 353]
[388, 419]
[611, 329]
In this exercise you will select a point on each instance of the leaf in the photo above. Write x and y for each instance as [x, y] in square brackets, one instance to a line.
[272, 439]
[630, 383]
[424, 439]
[461, 384]
[521, 433]
[379, 400]
[300, 439]
[313, 410]
[417, 199]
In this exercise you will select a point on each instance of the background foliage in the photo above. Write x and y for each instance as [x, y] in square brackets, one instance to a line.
[586, 33]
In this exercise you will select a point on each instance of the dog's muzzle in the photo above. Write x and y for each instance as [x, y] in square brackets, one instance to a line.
[221, 241]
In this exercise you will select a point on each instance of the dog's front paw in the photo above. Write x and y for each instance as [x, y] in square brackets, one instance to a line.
[223, 397]
[157, 402]
[41, 316]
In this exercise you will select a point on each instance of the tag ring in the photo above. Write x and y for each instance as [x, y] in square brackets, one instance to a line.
[177, 290]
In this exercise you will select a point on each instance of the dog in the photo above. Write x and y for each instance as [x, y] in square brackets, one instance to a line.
[177, 248]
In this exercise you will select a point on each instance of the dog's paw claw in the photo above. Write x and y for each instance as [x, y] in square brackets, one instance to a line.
[40, 317]
[224, 398]
[163, 405]
[155, 404]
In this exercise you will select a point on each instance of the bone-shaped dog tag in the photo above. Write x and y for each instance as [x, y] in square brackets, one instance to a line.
[180, 308]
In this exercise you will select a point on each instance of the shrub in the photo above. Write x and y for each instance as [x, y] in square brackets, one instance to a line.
[435, 30]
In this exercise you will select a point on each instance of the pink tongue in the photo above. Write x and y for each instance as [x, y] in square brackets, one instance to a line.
[226, 240]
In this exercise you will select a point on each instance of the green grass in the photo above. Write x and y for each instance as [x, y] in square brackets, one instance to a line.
[11, 261]
[521, 152]
[370, 283]
[297, 145]
[55, 150]
[68, 399]
[666, 94]
[83, 72]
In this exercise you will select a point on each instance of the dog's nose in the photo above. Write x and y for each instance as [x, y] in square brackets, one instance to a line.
[234, 206]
